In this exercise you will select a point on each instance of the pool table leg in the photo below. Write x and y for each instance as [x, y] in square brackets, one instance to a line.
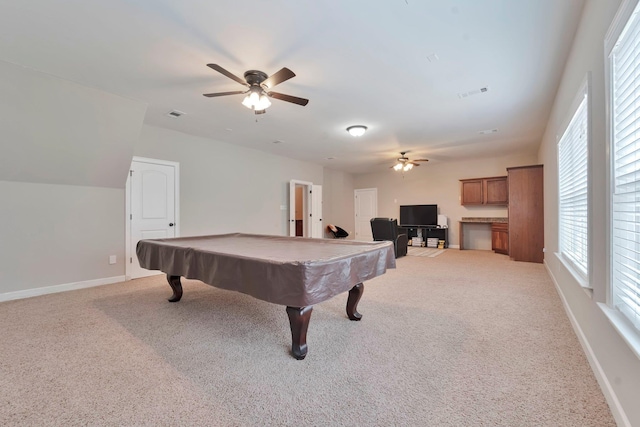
[352, 301]
[299, 321]
[176, 286]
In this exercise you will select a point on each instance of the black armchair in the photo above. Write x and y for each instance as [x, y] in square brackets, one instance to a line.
[387, 229]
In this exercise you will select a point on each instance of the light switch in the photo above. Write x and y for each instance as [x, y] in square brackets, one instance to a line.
[112, 259]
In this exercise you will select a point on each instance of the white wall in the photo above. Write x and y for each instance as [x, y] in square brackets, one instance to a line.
[58, 234]
[58, 132]
[439, 183]
[226, 188]
[617, 367]
[338, 201]
[65, 151]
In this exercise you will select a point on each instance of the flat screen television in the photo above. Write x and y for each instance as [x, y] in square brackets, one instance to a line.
[419, 215]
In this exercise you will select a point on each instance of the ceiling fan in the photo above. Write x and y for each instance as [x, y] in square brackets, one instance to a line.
[259, 85]
[403, 162]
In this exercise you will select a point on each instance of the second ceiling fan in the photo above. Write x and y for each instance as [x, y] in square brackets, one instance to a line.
[403, 163]
[259, 85]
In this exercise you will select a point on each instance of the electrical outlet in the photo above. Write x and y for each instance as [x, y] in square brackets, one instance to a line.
[112, 259]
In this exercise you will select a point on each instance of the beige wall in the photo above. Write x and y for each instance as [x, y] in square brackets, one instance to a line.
[438, 183]
[58, 132]
[65, 152]
[225, 188]
[58, 234]
[338, 201]
[616, 366]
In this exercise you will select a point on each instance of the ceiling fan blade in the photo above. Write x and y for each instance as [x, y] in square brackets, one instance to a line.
[227, 73]
[275, 79]
[288, 98]
[235, 92]
[420, 160]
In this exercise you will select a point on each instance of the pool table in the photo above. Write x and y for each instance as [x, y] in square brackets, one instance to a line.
[292, 271]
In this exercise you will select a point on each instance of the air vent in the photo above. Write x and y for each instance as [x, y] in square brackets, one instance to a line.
[175, 114]
[484, 89]
[488, 131]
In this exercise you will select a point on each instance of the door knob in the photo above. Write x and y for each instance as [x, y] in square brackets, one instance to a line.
[170, 224]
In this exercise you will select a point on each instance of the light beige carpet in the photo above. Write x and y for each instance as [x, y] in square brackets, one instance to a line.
[468, 338]
[421, 251]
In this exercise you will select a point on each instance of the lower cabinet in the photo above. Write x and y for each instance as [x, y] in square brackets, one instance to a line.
[500, 237]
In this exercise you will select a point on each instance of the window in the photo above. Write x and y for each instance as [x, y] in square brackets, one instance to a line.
[573, 156]
[624, 74]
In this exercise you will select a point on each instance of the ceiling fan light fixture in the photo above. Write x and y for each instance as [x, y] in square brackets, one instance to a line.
[263, 102]
[357, 130]
[398, 166]
[408, 166]
[256, 100]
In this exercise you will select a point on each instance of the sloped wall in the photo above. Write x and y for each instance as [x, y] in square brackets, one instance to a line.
[58, 132]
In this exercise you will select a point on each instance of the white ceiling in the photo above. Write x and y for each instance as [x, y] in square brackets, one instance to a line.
[357, 61]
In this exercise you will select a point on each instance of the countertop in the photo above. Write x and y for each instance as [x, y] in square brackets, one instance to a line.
[485, 220]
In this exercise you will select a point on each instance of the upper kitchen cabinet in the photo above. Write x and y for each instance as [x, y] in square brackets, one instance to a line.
[485, 191]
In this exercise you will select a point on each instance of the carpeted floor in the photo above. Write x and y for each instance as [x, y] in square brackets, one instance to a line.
[468, 338]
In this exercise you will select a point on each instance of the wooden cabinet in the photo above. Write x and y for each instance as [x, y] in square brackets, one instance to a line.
[500, 237]
[526, 214]
[496, 191]
[485, 191]
[471, 191]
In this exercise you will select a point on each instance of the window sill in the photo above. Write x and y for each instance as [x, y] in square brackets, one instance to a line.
[628, 333]
[579, 277]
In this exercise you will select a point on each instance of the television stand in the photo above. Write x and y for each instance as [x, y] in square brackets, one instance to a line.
[426, 232]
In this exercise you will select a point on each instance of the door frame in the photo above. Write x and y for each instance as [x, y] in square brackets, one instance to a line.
[127, 205]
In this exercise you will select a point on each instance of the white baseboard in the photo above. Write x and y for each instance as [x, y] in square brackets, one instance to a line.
[8, 296]
[614, 404]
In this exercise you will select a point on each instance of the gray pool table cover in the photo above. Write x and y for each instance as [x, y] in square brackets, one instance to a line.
[292, 271]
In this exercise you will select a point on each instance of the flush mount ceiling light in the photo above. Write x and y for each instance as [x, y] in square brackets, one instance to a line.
[357, 130]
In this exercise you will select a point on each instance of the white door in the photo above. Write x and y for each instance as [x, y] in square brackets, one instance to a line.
[317, 230]
[366, 207]
[152, 207]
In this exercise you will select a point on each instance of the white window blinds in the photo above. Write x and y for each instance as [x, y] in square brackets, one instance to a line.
[573, 154]
[625, 152]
